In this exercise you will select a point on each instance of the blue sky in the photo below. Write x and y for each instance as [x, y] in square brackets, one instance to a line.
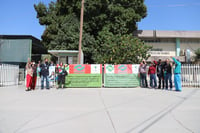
[18, 17]
[171, 15]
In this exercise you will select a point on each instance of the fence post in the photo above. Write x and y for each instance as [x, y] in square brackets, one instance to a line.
[188, 75]
[1, 75]
[198, 75]
[182, 75]
[194, 74]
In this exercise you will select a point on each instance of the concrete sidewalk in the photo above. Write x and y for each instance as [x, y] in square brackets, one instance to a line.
[99, 110]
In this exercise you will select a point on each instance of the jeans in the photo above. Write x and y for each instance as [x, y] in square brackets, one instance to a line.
[143, 80]
[153, 80]
[177, 82]
[42, 81]
[160, 79]
[168, 77]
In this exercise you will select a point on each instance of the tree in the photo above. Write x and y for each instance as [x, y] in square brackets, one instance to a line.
[120, 16]
[62, 27]
[114, 18]
[197, 53]
[120, 49]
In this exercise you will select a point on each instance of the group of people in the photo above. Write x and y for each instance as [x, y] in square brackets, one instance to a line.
[34, 70]
[162, 71]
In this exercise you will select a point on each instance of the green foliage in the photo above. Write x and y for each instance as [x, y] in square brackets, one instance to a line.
[197, 52]
[106, 22]
[120, 16]
[120, 49]
[62, 27]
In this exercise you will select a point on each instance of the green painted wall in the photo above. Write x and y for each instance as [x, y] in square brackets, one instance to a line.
[15, 50]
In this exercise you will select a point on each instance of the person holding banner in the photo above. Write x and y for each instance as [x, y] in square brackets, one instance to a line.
[38, 74]
[52, 74]
[52, 79]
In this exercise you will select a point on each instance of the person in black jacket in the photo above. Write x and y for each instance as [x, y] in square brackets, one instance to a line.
[160, 74]
[61, 74]
[44, 74]
[168, 74]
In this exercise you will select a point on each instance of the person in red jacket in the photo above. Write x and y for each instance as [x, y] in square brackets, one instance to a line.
[152, 73]
[34, 77]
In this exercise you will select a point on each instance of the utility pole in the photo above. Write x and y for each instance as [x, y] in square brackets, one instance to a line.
[81, 32]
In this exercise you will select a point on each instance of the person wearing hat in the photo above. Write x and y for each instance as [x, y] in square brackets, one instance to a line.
[177, 74]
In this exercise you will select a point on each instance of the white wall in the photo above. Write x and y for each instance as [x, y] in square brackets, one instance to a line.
[164, 46]
[191, 46]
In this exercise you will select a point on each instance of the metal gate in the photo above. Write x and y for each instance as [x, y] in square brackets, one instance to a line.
[9, 74]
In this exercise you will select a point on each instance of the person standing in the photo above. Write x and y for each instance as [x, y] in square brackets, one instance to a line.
[61, 75]
[143, 74]
[44, 71]
[52, 79]
[152, 73]
[38, 74]
[29, 74]
[34, 78]
[160, 74]
[51, 64]
[177, 74]
[168, 74]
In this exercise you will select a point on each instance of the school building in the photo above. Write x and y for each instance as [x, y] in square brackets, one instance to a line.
[16, 49]
[181, 44]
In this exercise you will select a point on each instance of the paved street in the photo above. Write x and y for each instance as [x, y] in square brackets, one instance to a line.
[99, 110]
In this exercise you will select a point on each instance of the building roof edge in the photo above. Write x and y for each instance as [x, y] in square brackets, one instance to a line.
[166, 34]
